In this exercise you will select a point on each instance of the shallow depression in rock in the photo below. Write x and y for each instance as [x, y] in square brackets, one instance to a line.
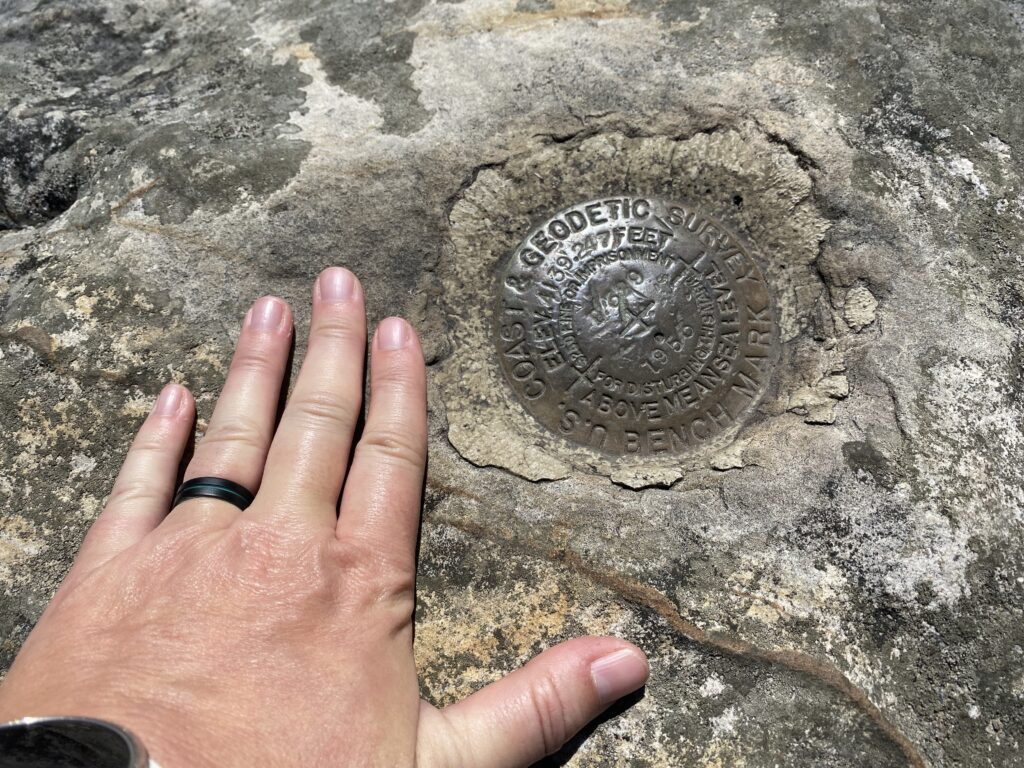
[614, 309]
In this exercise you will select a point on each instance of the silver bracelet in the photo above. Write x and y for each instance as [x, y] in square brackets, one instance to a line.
[70, 742]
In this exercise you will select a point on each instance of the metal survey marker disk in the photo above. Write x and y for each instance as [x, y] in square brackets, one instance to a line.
[635, 326]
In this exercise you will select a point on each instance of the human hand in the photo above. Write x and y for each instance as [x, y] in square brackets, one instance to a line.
[282, 635]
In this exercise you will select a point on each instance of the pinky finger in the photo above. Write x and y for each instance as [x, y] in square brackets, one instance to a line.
[145, 485]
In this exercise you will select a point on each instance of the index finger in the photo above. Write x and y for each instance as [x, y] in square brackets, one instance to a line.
[381, 502]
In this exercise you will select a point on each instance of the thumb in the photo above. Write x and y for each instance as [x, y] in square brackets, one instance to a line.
[535, 710]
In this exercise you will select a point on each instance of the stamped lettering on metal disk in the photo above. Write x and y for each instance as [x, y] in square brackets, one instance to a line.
[635, 326]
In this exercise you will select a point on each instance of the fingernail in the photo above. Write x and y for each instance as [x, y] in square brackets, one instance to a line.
[266, 314]
[392, 333]
[169, 401]
[336, 284]
[619, 673]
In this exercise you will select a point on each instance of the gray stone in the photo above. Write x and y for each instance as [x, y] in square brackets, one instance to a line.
[837, 586]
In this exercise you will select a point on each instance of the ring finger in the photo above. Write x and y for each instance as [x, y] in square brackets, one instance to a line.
[236, 442]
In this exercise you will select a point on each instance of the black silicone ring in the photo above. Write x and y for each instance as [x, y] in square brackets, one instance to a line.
[214, 488]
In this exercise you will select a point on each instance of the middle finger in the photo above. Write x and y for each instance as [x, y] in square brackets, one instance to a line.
[309, 454]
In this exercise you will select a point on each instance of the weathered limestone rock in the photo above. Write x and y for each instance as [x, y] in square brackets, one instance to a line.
[840, 585]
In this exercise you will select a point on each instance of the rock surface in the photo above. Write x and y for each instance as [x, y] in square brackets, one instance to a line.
[840, 586]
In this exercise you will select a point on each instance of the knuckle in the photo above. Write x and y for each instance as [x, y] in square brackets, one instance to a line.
[396, 588]
[126, 493]
[392, 445]
[254, 356]
[336, 326]
[108, 526]
[276, 562]
[322, 409]
[383, 582]
[257, 542]
[397, 377]
[179, 537]
[150, 441]
[549, 713]
[392, 602]
[238, 431]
